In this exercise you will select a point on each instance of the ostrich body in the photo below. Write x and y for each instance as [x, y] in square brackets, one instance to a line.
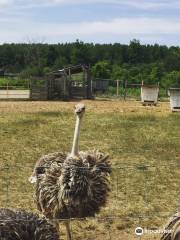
[21, 225]
[172, 229]
[74, 185]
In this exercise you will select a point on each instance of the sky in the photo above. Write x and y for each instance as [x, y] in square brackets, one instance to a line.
[97, 21]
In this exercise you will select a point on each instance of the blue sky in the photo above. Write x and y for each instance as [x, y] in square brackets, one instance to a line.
[98, 21]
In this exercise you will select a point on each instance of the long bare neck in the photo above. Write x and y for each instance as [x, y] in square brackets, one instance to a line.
[75, 147]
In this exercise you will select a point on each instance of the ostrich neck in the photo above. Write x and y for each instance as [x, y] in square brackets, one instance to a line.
[75, 147]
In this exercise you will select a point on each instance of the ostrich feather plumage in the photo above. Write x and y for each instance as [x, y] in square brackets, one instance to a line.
[73, 189]
[22, 225]
[172, 230]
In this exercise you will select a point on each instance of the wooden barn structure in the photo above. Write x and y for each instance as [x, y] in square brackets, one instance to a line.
[68, 83]
[175, 99]
[149, 94]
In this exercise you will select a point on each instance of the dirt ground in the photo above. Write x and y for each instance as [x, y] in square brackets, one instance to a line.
[96, 106]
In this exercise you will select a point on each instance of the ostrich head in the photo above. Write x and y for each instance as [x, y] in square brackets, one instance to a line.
[79, 112]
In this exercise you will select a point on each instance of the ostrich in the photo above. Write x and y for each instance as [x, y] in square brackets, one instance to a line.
[19, 224]
[71, 185]
[172, 230]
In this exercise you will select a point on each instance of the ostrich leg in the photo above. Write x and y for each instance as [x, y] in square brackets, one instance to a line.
[55, 223]
[68, 230]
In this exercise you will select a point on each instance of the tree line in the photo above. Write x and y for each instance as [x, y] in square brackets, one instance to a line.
[134, 62]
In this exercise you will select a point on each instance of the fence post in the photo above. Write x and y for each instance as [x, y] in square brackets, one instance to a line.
[125, 89]
[7, 90]
[117, 81]
[91, 87]
[69, 90]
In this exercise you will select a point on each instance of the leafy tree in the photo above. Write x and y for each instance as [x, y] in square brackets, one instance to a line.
[135, 51]
[156, 74]
[60, 62]
[135, 62]
[119, 72]
[172, 79]
[80, 53]
[101, 70]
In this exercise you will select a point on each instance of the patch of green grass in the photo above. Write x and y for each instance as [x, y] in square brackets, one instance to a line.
[14, 83]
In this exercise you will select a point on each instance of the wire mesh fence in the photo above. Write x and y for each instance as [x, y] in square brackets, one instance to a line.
[17, 88]
[138, 198]
[14, 88]
[120, 89]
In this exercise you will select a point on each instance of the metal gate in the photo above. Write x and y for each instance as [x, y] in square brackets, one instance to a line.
[78, 89]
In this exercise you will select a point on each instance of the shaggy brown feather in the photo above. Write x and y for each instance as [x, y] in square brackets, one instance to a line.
[21, 225]
[73, 188]
[173, 228]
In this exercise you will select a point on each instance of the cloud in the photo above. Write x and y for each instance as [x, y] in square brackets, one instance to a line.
[139, 4]
[150, 3]
[17, 25]
[95, 31]
[5, 3]
[115, 26]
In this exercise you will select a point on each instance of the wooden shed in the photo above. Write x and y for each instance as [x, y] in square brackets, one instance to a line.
[149, 94]
[68, 83]
[175, 99]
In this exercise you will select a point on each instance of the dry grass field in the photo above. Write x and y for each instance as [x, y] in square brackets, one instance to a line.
[144, 146]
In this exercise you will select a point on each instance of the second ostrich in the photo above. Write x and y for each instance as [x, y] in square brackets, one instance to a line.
[172, 230]
[22, 225]
[72, 185]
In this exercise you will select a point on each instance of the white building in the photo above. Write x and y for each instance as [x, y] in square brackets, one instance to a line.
[149, 94]
[175, 99]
